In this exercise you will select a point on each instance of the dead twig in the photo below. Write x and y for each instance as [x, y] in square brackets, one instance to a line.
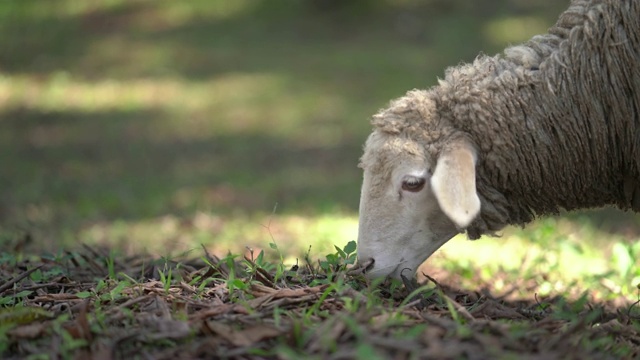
[459, 308]
[14, 280]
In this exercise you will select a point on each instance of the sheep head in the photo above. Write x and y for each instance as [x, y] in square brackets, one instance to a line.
[418, 188]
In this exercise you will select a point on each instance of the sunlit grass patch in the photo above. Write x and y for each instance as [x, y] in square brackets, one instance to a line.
[61, 92]
[162, 12]
[233, 103]
[514, 30]
[295, 236]
[563, 256]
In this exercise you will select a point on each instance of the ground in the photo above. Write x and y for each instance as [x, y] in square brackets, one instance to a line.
[249, 308]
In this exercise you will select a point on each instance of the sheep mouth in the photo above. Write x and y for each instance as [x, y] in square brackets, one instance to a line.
[361, 267]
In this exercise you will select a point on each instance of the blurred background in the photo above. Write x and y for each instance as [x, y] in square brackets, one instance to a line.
[150, 125]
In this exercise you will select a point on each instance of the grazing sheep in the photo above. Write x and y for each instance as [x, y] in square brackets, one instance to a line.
[551, 124]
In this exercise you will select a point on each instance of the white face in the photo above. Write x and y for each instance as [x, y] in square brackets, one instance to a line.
[413, 207]
[401, 224]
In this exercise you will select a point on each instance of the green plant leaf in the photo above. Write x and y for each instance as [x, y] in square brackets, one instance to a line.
[84, 294]
[350, 247]
[340, 252]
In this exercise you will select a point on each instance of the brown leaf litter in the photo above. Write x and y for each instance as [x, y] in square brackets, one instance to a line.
[73, 309]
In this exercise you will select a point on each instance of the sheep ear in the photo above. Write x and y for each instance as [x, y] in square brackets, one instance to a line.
[454, 183]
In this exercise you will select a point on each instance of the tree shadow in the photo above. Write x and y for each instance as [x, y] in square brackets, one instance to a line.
[110, 165]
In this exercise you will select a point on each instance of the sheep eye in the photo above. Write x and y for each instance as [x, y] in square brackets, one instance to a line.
[413, 184]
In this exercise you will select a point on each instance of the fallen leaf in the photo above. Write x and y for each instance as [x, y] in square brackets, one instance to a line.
[30, 331]
[80, 329]
[243, 337]
[56, 297]
[494, 310]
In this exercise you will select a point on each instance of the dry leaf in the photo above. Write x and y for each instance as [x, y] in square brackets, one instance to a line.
[494, 310]
[245, 337]
[30, 331]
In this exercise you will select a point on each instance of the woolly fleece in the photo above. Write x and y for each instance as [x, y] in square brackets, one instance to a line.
[555, 121]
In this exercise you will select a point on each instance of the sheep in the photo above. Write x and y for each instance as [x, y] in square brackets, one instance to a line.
[550, 124]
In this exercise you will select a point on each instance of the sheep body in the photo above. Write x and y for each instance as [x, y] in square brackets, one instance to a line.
[565, 135]
[554, 122]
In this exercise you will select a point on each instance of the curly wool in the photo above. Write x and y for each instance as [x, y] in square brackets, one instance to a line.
[556, 121]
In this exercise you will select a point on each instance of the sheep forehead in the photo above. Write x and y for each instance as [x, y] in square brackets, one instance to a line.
[412, 115]
[409, 130]
[397, 147]
[384, 152]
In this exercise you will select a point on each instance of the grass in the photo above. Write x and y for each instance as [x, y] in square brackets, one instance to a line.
[157, 127]
[122, 114]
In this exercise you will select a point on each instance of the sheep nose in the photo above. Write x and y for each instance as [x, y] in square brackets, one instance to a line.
[361, 266]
